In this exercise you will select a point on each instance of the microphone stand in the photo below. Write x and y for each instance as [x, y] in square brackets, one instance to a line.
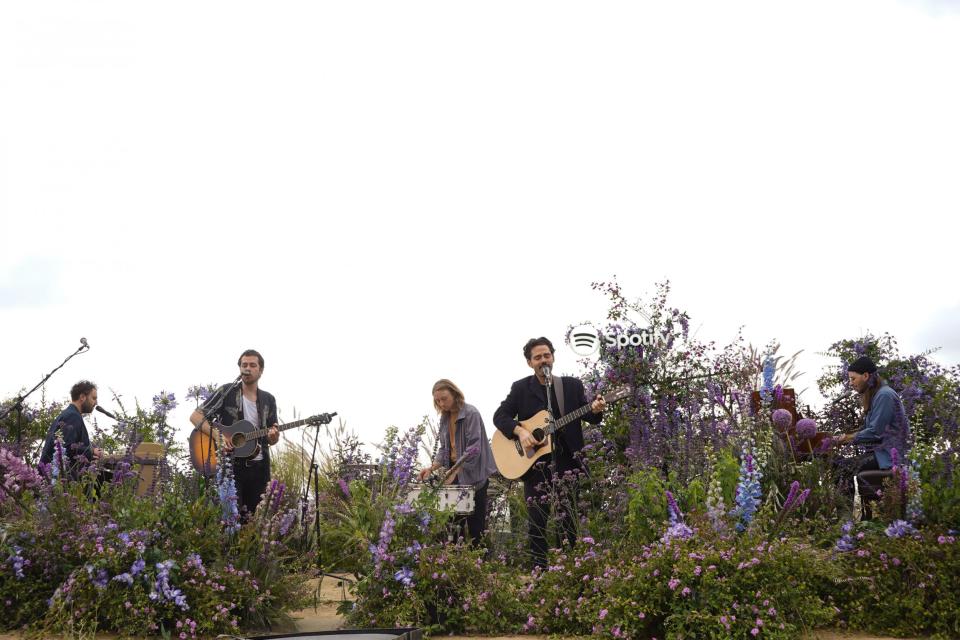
[206, 418]
[554, 491]
[314, 475]
[18, 401]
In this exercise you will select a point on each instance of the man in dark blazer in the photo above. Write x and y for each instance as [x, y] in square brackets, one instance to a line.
[528, 397]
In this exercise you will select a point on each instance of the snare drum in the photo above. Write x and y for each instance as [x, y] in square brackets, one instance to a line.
[458, 497]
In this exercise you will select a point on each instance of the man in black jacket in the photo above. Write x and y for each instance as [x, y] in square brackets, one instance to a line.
[73, 432]
[528, 397]
[247, 401]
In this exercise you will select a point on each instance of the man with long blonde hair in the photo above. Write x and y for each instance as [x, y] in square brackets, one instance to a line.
[461, 433]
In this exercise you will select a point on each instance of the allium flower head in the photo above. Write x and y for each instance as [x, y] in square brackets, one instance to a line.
[782, 419]
[806, 429]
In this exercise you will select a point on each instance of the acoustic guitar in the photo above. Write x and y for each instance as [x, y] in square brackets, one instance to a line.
[513, 460]
[243, 435]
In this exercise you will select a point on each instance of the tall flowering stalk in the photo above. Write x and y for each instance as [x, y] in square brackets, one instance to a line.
[677, 528]
[748, 494]
[795, 498]
[227, 494]
[716, 508]
[769, 371]
[405, 455]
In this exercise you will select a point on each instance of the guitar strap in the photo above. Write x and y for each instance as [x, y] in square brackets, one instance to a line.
[558, 390]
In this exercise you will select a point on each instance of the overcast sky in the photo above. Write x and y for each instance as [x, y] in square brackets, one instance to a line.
[379, 194]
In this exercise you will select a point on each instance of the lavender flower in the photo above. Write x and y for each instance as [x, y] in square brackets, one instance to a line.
[806, 429]
[344, 487]
[791, 496]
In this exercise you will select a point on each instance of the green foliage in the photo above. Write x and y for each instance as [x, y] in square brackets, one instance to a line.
[647, 510]
[939, 484]
[901, 586]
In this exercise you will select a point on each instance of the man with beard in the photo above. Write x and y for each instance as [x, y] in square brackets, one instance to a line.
[527, 397]
[77, 449]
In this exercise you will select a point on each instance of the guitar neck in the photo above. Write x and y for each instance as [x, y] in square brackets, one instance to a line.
[259, 433]
[567, 419]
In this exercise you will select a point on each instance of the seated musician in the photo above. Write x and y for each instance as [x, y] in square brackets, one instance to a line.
[885, 425]
[462, 433]
[73, 432]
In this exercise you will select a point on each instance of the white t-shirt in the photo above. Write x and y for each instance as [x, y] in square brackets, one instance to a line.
[250, 414]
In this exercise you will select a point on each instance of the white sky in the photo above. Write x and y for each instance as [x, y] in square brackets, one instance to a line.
[379, 194]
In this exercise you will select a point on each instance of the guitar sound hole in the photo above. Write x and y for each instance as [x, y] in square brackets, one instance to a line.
[538, 434]
[239, 440]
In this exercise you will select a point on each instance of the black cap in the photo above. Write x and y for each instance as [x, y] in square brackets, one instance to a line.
[862, 365]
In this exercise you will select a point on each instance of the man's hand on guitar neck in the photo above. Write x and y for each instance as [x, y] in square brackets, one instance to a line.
[273, 435]
[598, 404]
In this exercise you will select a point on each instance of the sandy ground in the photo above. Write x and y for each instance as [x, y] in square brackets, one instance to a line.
[325, 618]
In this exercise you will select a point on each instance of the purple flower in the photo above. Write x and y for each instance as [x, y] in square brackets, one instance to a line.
[674, 510]
[782, 419]
[806, 429]
[344, 487]
[603, 613]
[791, 496]
[404, 576]
[163, 403]
[899, 528]
[17, 562]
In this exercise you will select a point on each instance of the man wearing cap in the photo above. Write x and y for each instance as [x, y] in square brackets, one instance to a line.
[885, 425]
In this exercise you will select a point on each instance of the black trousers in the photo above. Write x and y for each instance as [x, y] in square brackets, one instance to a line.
[541, 490]
[251, 479]
[849, 467]
[476, 522]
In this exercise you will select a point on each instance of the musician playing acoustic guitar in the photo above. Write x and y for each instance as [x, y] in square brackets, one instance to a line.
[462, 434]
[246, 402]
[528, 397]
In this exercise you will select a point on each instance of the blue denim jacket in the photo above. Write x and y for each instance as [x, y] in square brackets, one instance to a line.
[885, 427]
[468, 432]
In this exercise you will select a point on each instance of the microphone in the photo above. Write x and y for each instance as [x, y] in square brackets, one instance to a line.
[84, 342]
[546, 372]
[106, 413]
